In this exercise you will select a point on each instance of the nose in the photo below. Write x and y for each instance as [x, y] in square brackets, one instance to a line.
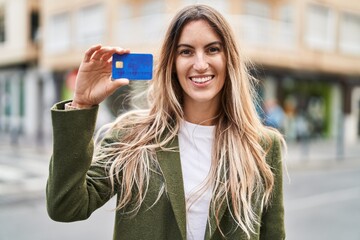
[200, 63]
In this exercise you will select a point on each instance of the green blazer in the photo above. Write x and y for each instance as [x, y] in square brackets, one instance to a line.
[75, 188]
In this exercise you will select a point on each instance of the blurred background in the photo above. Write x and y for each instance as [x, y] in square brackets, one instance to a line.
[305, 53]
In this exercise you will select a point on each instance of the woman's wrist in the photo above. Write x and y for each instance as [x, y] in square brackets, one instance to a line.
[80, 106]
[75, 106]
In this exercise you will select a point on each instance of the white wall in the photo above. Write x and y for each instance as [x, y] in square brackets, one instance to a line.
[336, 110]
[16, 19]
[351, 120]
[31, 103]
[38, 103]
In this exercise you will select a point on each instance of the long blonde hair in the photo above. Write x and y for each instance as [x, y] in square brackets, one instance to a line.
[239, 172]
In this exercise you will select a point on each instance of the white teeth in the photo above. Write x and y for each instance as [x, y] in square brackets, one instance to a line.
[201, 79]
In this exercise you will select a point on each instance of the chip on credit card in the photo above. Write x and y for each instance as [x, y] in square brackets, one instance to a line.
[133, 66]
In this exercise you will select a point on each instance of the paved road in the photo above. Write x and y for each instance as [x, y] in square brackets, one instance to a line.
[29, 221]
[322, 203]
[23, 173]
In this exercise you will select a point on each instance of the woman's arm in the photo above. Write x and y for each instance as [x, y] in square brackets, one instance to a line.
[75, 188]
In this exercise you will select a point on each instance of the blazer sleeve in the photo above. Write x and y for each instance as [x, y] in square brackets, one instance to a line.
[75, 187]
[272, 224]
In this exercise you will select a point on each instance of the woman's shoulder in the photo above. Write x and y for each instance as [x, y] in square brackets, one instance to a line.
[272, 142]
[269, 137]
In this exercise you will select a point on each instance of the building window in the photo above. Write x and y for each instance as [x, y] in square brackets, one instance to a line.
[285, 36]
[90, 27]
[256, 24]
[125, 24]
[148, 25]
[349, 36]
[2, 24]
[152, 20]
[320, 27]
[257, 8]
[34, 26]
[58, 33]
[153, 7]
[126, 11]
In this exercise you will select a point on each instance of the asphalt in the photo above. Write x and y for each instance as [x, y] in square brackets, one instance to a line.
[23, 172]
[24, 166]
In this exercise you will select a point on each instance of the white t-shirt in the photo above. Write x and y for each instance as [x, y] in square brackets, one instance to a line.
[195, 142]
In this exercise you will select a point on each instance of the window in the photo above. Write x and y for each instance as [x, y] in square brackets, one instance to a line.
[34, 25]
[256, 26]
[286, 30]
[90, 25]
[126, 11]
[153, 7]
[147, 26]
[58, 33]
[257, 8]
[320, 27]
[152, 20]
[125, 24]
[349, 36]
[2, 24]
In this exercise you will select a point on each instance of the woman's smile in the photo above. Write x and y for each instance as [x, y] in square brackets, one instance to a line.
[201, 80]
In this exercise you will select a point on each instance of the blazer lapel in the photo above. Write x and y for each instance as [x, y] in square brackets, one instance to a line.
[170, 164]
[211, 224]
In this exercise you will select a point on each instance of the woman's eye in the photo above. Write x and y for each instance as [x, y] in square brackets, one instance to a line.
[213, 50]
[185, 52]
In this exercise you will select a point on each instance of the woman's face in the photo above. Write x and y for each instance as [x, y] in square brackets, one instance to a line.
[200, 64]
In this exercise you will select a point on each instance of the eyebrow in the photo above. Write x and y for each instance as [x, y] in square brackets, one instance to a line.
[207, 45]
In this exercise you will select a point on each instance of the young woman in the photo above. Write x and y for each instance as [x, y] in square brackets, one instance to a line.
[198, 164]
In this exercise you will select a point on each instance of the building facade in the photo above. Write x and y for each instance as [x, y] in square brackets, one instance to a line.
[22, 89]
[306, 53]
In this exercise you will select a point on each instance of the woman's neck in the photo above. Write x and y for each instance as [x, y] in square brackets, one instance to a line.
[201, 113]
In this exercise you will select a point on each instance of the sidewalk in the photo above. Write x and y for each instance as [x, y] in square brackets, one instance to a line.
[23, 171]
[321, 153]
[24, 168]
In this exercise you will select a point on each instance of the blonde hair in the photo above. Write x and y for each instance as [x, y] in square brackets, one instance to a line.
[239, 172]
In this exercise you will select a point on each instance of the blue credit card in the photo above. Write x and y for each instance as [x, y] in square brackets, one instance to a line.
[133, 66]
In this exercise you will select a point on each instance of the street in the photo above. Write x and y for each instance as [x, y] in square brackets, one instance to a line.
[321, 202]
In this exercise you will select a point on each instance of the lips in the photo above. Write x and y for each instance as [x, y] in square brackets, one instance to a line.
[201, 79]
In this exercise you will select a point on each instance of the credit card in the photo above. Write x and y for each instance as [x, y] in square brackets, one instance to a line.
[133, 66]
